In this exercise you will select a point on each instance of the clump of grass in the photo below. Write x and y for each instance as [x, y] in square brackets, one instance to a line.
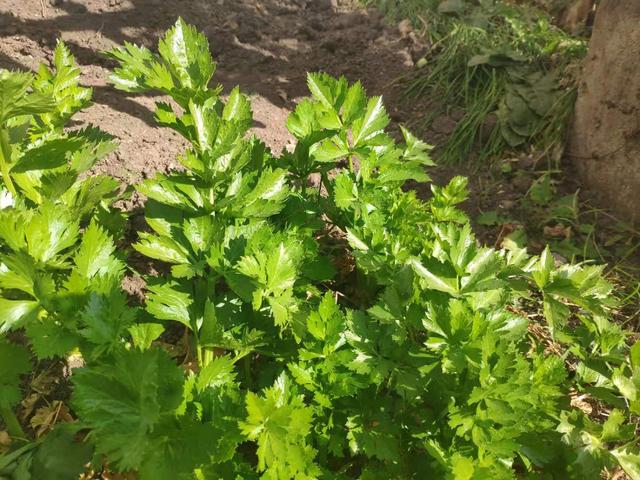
[479, 51]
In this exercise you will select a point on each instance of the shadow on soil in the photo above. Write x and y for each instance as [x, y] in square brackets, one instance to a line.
[265, 46]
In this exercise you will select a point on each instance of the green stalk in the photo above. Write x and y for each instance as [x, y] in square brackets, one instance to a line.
[207, 356]
[13, 425]
[198, 350]
[5, 160]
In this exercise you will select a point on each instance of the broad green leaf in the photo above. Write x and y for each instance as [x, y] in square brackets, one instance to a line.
[355, 242]
[186, 53]
[16, 97]
[50, 338]
[280, 422]
[161, 248]
[433, 281]
[144, 334]
[14, 362]
[50, 232]
[629, 460]
[105, 319]
[327, 322]
[281, 271]
[13, 313]
[345, 191]
[374, 120]
[62, 84]
[238, 108]
[205, 123]
[321, 87]
[125, 401]
[416, 150]
[61, 455]
[217, 373]
[354, 103]
[136, 65]
[96, 254]
[329, 151]
[166, 302]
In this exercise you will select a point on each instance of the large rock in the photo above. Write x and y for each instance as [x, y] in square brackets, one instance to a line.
[604, 142]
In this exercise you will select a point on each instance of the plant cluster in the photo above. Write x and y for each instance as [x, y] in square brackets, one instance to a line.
[504, 64]
[337, 328]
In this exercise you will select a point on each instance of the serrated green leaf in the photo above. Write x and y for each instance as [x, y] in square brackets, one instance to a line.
[433, 281]
[13, 313]
[144, 334]
[161, 248]
[166, 302]
[186, 53]
[217, 373]
[16, 98]
[96, 254]
[125, 400]
[61, 456]
[238, 109]
[321, 87]
[279, 422]
[374, 120]
[14, 362]
[354, 103]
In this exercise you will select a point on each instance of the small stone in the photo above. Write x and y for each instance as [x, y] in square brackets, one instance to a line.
[559, 259]
[290, 43]
[74, 361]
[55, 3]
[405, 27]
[307, 32]
[330, 45]
[77, 8]
[522, 182]
[507, 204]
[457, 114]
[283, 95]
[558, 230]
[407, 61]
[444, 124]
[526, 162]
[248, 35]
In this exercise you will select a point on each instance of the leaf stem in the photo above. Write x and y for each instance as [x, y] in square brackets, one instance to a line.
[13, 425]
[207, 357]
[5, 160]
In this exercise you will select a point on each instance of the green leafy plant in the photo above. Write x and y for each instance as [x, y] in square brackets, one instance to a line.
[334, 325]
[59, 277]
[40, 160]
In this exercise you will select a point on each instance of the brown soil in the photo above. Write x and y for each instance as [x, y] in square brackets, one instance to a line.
[265, 46]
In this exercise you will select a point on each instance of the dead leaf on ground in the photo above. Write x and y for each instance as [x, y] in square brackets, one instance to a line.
[558, 230]
[46, 417]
